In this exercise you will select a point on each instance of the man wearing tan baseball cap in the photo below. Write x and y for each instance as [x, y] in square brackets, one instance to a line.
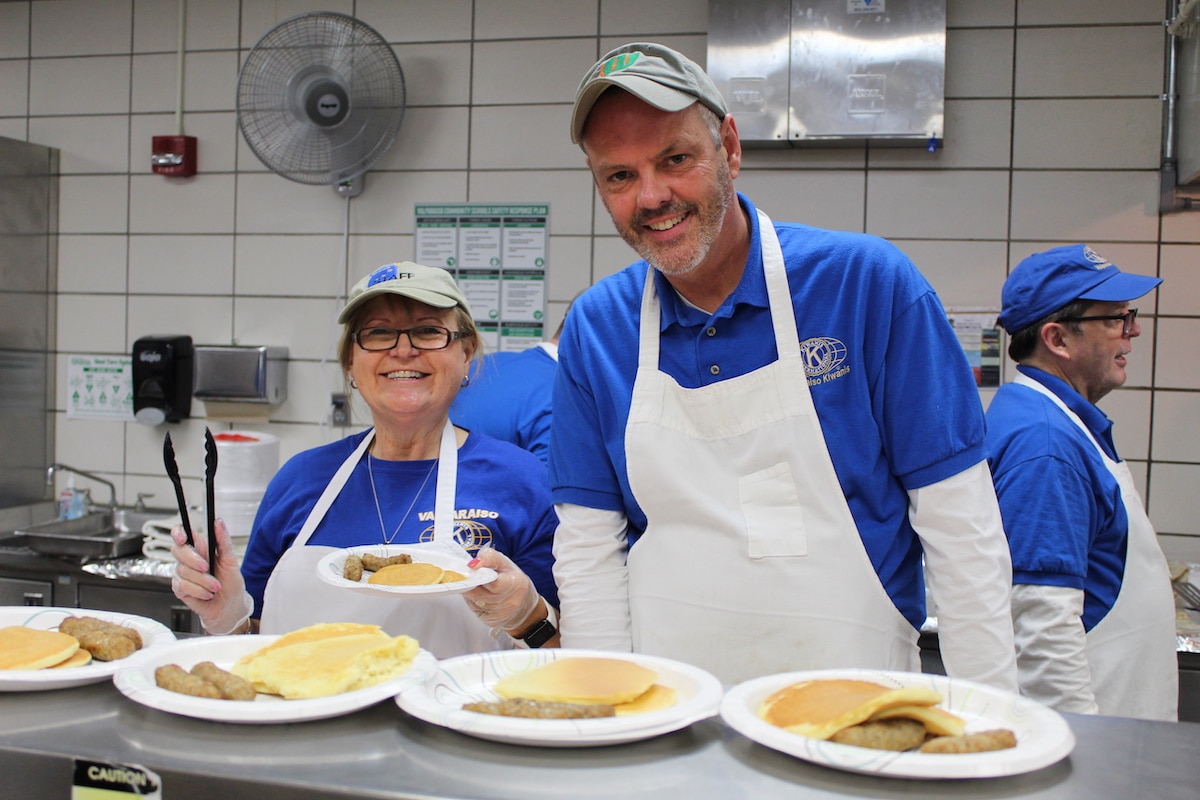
[762, 427]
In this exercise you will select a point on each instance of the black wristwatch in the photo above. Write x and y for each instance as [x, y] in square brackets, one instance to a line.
[542, 632]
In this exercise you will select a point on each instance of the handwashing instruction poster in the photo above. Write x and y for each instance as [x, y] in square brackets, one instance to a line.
[100, 387]
[498, 255]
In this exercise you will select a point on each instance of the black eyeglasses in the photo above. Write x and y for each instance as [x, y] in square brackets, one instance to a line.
[1126, 320]
[426, 337]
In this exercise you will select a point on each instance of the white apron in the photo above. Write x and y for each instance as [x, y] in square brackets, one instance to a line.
[296, 597]
[1131, 652]
[751, 563]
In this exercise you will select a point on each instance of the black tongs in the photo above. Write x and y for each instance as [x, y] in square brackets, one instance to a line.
[210, 471]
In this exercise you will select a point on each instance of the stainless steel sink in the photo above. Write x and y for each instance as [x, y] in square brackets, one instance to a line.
[102, 533]
[14, 517]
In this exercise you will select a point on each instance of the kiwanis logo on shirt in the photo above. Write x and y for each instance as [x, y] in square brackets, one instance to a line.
[470, 529]
[824, 359]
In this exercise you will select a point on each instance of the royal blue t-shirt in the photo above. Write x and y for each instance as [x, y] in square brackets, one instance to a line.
[892, 388]
[501, 499]
[509, 399]
[1063, 514]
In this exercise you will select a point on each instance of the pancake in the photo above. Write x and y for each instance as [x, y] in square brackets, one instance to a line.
[77, 659]
[653, 699]
[936, 720]
[450, 576]
[604, 681]
[329, 666]
[30, 648]
[821, 708]
[317, 632]
[416, 574]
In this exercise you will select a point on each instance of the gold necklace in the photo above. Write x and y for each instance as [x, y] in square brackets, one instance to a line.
[383, 529]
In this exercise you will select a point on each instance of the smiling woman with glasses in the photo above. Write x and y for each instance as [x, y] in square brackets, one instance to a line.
[413, 483]
[425, 337]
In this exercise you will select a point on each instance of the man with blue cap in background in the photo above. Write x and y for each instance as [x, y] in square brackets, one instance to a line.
[1092, 606]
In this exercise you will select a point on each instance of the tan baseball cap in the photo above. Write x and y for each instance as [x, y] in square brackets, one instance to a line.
[432, 286]
[662, 77]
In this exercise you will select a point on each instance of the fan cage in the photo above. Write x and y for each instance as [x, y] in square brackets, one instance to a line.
[270, 113]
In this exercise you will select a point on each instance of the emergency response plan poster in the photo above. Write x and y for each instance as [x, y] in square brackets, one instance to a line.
[498, 255]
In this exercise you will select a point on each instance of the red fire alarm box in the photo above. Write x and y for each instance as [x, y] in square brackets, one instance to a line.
[174, 156]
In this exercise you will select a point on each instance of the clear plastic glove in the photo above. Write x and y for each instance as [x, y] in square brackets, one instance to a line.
[221, 600]
[507, 602]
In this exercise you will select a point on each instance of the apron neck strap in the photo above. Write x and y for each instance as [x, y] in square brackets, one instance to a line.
[779, 296]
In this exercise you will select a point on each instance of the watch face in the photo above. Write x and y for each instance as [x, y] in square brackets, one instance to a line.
[541, 633]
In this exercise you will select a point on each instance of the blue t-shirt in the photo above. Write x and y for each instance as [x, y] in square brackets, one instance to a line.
[891, 385]
[509, 399]
[501, 499]
[1062, 508]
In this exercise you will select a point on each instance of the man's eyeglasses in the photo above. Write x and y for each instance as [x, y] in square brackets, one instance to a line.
[1126, 320]
[426, 337]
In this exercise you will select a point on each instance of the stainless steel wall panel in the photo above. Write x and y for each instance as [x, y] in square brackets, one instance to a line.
[28, 285]
[855, 69]
[749, 59]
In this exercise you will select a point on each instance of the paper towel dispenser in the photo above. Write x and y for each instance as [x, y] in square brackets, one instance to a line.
[799, 72]
[236, 373]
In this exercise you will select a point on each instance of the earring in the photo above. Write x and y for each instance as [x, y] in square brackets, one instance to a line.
[466, 381]
[353, 383]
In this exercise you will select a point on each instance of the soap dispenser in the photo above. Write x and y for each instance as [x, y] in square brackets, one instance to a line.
[162, 379]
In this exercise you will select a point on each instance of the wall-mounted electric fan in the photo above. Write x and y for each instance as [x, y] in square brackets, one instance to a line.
[320, 99]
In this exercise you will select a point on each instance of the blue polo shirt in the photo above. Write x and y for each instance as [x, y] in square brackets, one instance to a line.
[895, 396]
[1063, 513]
[509, 399]
[500, 500]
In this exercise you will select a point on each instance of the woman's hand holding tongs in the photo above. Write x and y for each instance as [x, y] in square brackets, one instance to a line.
[220, 599]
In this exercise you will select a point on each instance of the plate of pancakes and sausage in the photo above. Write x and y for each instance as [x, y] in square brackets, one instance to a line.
[48, 647]
[415, 569]
[898, 724]
[563, 697]
[316, 672]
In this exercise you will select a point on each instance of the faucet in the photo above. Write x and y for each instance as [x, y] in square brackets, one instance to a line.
[56, 467]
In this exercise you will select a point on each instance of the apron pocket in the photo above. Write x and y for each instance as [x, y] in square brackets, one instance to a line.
[771, 509]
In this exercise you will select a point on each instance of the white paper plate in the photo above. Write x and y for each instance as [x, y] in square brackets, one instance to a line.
[329, 569]
[154, 635]
[136, 681]
[470, 678]
[1043, 737]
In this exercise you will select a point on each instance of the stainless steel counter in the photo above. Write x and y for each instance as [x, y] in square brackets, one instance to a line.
[382, 753]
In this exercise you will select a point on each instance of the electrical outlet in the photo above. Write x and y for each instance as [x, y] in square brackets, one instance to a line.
[341, 411]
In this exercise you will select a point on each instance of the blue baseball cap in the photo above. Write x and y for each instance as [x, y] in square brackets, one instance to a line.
[1047, 281]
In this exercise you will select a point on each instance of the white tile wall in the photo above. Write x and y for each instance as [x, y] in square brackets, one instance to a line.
[519, 19]
[1175, 425]
[91, 264]
[14, 30]
[1084, 206]
[14, 77]
[181, 264]
[1120, 133]
[1053, 121]
[94, 144]
[1178, 363]
[81, 27]
[1079, 62]
[98, 85]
